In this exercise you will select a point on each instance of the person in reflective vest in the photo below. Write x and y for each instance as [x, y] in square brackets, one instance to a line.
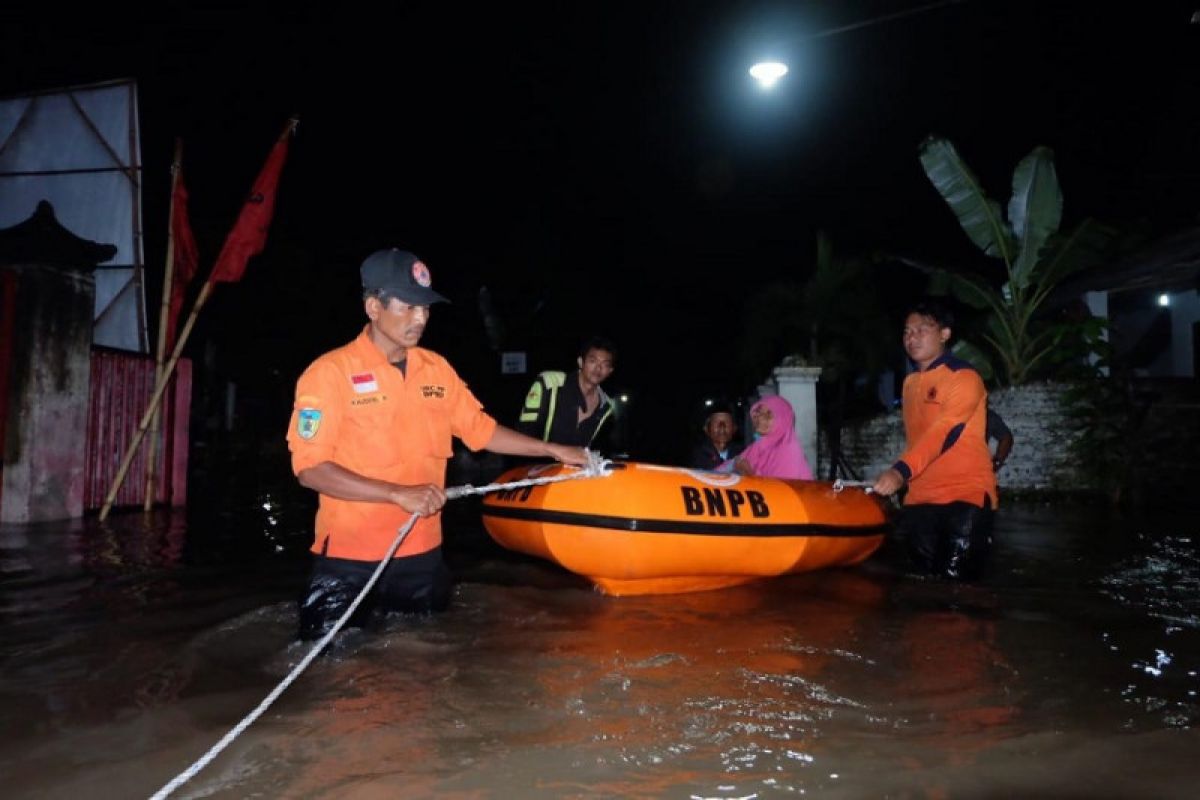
[572, 409]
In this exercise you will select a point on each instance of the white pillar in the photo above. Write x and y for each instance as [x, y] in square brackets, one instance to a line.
[1185, 311]
[798, 385]
[49, 384]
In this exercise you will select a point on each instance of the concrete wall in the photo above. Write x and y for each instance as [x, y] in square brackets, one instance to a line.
[46, 428]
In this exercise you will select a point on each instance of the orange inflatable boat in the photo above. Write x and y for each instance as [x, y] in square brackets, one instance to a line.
[649, 529]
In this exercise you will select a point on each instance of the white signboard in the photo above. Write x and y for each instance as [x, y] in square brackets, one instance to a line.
[512, 363]
[80, 149]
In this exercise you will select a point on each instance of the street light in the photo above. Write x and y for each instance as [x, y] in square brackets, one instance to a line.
[768, 73]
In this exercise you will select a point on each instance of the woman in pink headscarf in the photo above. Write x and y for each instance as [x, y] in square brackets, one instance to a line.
[777, 452]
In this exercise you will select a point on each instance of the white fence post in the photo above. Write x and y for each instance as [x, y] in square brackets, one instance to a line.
[798, 385]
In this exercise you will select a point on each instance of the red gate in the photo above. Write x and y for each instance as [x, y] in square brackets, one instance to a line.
[121, 386]
[8, 301]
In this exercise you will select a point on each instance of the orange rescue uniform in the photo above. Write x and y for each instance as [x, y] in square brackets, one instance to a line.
[357, 410]
[945, 417]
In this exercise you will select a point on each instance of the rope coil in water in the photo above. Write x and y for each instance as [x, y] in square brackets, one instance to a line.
[597, 467]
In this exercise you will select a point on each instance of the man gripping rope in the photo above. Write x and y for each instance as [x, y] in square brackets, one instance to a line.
[371, 432]
[947, 513]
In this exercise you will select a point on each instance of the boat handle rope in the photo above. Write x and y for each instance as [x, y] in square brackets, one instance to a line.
[866, 486]
[597, 467]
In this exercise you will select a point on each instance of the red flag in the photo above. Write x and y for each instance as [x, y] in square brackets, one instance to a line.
[186, 257]
[249, 234]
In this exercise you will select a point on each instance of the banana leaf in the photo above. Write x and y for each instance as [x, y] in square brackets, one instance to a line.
[975, 357]
[1001, 330]
[1088, 245]
[1035, 210]
[978, 214]
[970, 289]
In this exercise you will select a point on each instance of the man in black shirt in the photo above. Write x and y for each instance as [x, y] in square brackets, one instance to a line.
[717, 447]
[572, 408]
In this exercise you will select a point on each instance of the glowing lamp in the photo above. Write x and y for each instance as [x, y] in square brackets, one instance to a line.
[767, 73]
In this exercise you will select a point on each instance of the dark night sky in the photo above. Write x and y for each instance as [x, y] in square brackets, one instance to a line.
[609, 166]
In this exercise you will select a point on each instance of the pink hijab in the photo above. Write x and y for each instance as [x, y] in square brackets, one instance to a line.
[778, 454]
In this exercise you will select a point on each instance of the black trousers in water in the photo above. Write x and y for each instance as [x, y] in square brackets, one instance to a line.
[418, 584]
[951, 540]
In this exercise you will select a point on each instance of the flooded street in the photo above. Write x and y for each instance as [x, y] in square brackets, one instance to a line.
[128, 650]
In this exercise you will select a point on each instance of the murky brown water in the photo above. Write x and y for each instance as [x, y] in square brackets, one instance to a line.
[126, 652]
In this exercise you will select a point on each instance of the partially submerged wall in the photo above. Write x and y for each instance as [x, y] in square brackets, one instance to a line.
[47, 395]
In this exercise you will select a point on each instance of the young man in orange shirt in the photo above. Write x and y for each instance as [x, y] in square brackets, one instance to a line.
[371, 433]
[947, 514]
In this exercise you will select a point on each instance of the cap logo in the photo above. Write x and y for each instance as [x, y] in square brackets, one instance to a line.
[420, 274]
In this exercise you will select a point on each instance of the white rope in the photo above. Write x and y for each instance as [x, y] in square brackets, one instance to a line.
[596, 467]
[203, 761]
[866, 486]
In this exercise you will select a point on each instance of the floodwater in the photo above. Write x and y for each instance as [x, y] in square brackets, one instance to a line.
[128, 650]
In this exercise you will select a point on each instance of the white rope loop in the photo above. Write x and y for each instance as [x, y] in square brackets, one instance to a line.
[597, 467]
[866, 486]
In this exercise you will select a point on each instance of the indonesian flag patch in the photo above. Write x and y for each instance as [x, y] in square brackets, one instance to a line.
[364, 382]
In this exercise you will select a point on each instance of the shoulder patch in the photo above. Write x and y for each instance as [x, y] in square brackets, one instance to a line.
[534, 398]
[307, 422]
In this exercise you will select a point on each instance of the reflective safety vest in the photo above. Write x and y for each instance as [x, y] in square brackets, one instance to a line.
[544, 401]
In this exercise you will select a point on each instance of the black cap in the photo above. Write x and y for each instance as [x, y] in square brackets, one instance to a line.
[718, 407]
[400, 274]
[703, 413]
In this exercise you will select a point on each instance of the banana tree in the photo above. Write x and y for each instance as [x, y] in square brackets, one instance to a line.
[835, 319]
[1035, 255]
[816, 321]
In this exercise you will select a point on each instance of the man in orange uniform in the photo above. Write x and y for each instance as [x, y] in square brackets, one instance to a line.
[371, 433]
[947, 515]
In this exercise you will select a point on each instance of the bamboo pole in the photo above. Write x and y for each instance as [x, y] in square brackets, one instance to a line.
[165, 378]
[155, 398]
[164, 315]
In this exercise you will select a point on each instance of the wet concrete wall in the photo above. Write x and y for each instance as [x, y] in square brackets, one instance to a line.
[48, 382]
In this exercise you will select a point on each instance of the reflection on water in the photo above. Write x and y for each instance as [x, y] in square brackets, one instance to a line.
[128, 650]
